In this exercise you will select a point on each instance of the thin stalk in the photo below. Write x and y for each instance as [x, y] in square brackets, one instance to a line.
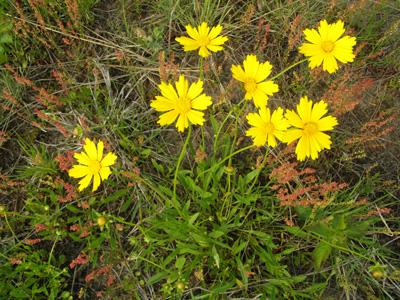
[259, 171]
[178, 164]
[288, 68]
[12, 231]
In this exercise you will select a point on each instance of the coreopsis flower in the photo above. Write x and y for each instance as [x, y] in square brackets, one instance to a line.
[203, 38]
[267, 128]
[253, 78]
[184, 105]
[309, 128]
[326, 46]
[92, 165]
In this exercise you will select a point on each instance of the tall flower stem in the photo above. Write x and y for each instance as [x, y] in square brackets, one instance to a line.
[176, 203]
[236, 131]
[259, 171]
[288, 68]
[201, 68]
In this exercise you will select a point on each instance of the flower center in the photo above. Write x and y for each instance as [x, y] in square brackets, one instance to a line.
[203, 41]
[310, 128]
[250, 85]
[183, 105]
[94, 167]
[328, 46]
[269, 128]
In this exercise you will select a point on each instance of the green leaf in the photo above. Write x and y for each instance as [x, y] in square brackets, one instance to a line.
[214, 124]
[145, 153]
[250, 176]
[159, 167]
[193, 218]
[115, 196]
[215, 234]
[215, 256]
[296, 231]
[180, 262]
[156, 278]
[240, 248]
[97, 242]
[73, 209]
[126, 204]
[6, 39]
[321, 253]
[320, 229]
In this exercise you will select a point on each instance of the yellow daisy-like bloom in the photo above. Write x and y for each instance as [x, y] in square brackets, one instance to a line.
[326, 46]
[92, 165]
[310, 124]
[267, 127]
[253, 78]
[203, 38]
[182, 104]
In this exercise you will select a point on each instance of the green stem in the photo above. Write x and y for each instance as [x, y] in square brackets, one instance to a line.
[146, 183]
[12, 231]
[222, 161]
[236, 131]
[52, 249]
[176, 204]
[201, 68]
[259, 171]
[202, 138]
[288, 68]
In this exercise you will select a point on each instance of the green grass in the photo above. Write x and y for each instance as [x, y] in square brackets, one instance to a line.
[179, 225]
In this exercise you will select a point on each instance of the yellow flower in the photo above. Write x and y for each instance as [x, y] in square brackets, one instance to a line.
[203, 38]
[326, 46]
[182, 104]
[253, 78]
[93, 165]
[310, 124]
[267, 127]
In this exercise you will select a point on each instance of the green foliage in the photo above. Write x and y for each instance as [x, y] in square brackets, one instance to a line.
[198, 214]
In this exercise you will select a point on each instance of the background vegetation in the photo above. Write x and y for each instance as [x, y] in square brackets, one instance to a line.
[76, 69]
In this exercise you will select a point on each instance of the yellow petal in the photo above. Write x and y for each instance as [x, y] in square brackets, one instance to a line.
[168, 118]
[330, 63]
[292, 135]
[85, 182]
[218, 41]
[105, 172]
[203, 51]
[336, 31]
[90, 149]
[182, 86]
[100, 148]
[192, 32]
[327, 123]
[268, 87]
[312, 36]
[260, 98]
[78, 171]
[294, 119]
[264, 70]
[168, 91]
[195, 89]
[187, 43]
[82, 158]
[162, 104]
[201, 102]
[195, 117]
[182, 122]
[318, 111]
[258, 135]
[108, 160]
[96, 182]
[215, 31]
[251, 66]
[238, 73]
